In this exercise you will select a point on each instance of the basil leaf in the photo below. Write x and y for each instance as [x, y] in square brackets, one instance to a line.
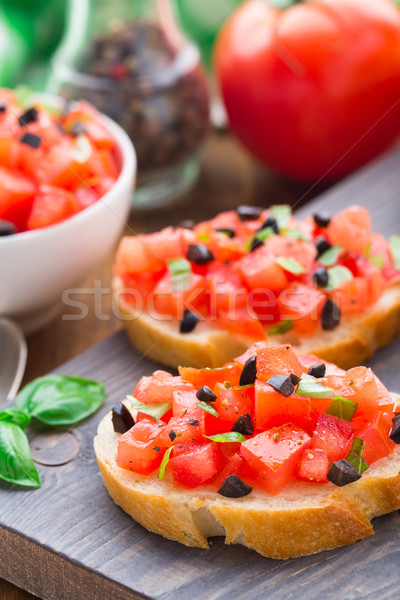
[291, 265]
[355, 456]
[337, 275]
[281, 327]
[296, 234]
[24, 95]
[156, 410]
[282, 213]
[164, 463]
[311, 388]
[230, 436]
[16, 464]
[329, 258]
[180, 272]
[208, 408]
[376, 259]
[15, 415]
[343, 408]
[262, 235]
[61, 400]
[394, 245]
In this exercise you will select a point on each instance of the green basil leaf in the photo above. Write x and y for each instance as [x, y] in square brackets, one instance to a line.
[180, 272]
[16, 415]
[296, 234]
[343, 408]
[61, 400]
[310, 388]
[24, 95]
[282, 213]
[291, 265]
[262, 235]
[281, 327]
[164, 463]
[230, 436]
[208, 408]
[329, 258]
[16, 464]
[394, 245]
[156, 410]
[355, 456]
[337, 275]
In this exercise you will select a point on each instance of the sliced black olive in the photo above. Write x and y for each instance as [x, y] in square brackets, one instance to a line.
[156, 448]
[172, 435]
[395, 431]
[7, 228]
[249, 373]
[317, 370]
[322, 245]
[205, 394]
[321, 277]
[272, 223]
[244, 424]
[249, 212]
[199, 254]
[187, 224]
[234, 487]
[30, 139]
[3, 108]
[330, 315]
[227, 231]
[294, 379]
[30, 116]
[193, 422]
[188, 322]
[322, 220]
[342, 473]
[282, 384]
[122, 419]
[77, 129]
[256, 243]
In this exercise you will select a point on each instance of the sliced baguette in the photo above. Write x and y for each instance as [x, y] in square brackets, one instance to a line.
[303, 519]
[353, 341]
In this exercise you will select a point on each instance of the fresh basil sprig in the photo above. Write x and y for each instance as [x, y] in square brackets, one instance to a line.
[156, 410]
[311, 388]
[16, 463]
[230, 436]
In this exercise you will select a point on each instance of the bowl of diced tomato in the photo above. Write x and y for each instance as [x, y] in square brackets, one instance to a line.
[66, 179]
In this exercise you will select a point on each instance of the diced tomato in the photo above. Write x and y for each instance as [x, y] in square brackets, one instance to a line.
[243, 322]
[86, 196]
[314, 465]
[166, 301]
[185, 429]
[61, 167]
[225, 289]
[52, 205]
[243, 358]
[351, 228]
[303, 252]
[277, 360]
[273, 409]
[376, 435]
[374, 277]
[260, 271]
[225, 248]
[380, 248]
[352, 296]
[231, 403]
[272, 456]
[9, 152]
[134, 255]
[333, 435]
[141, 448]
[14, 188]
[303, 306]
[234, 466]
[184, 401]
[198, 377]
[86, 115]
[385, 400]
[362, 382]
[308, 360]
[159, 387]
[265, 305]
[196, 466]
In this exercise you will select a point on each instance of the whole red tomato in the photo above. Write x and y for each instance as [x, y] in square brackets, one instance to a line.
[312, 90]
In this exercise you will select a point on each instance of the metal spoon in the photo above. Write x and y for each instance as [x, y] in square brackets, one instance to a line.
[13, 353]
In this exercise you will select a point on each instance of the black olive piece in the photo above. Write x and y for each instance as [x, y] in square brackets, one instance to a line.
[321, 277]
[317, 370]
[188, 322]
[7, 228]
[322, 245]
[249, 373]
[342, 473]
[234, 487]
[187, 224]
[193, 422]
[199, 254]
[244, 424]
[30, 139]
[3, 108]
[249, 212]
[330, 315]
[256, 243]
[29, 116]
[294, 379]
[322, 220]
[282, 384]
[395, 431]
[272, 223]
[122, 419]
[172, 435]
[227, 231]
[77, 129]
[205, 394]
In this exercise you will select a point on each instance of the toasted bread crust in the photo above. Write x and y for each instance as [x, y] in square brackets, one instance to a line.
[303, 519]
[356, 338]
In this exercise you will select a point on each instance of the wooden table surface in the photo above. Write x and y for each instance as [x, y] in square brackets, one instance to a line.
[229, 177]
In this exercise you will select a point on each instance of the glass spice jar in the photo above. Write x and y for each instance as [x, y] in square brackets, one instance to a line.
[130, 61]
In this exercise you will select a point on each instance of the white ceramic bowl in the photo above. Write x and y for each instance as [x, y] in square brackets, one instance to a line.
[37, 267]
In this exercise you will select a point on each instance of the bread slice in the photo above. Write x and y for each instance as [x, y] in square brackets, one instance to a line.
[353, 341]
[303, 519]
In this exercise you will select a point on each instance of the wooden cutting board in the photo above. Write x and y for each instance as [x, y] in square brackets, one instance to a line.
[68, 541]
